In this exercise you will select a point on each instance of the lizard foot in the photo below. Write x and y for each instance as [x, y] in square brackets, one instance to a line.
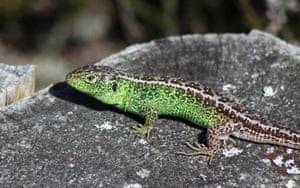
[141, 130]
[199, 149]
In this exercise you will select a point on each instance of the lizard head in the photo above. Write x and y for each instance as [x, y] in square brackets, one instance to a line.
[100, 82]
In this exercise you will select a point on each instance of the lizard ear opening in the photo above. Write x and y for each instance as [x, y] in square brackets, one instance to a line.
[114, 87]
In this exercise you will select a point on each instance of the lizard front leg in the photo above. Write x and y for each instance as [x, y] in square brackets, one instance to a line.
[151, 115]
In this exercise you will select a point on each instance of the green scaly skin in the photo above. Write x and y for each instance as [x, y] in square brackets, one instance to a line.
[150, 97]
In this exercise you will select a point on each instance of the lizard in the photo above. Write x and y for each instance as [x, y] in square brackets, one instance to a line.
[151, 96]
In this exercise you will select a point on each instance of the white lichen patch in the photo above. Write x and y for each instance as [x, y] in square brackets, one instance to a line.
[269, 91]
[270, 150]
[143, 173]
[228, 87]
[143, 141]
[71, 165]
[278, 161]
[231, 152]
[255, 76]
[288, 164]
[291, 184]
[244, 176]
[132, 185]
[291, 167]
[105, 126]
[289, 150]
[266, 161]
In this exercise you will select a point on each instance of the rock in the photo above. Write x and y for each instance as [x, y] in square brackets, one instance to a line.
[63, 138]
[16, 82]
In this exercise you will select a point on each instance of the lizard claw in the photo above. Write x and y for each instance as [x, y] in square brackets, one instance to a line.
[141, 131]
[199, 149]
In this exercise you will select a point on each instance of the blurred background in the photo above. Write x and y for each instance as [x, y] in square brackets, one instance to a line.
[59, 36]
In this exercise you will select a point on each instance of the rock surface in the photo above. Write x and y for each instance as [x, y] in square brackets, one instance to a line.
[61, 138]
[16, 82]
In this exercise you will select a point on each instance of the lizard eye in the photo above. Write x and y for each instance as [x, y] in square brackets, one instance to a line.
[114, 87]
[90, 77]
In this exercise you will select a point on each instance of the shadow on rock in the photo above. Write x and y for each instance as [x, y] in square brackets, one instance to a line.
[63, 91]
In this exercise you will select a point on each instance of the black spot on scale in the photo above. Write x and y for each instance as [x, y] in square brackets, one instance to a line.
[101, 69]
[190, 92]
[176, 81]
[219, 110]
[199, 97]
[221, 106]
[150, 78]
[179, 92]
[194, 85]
[84, 69]
[209, 91]
[237, 108]
[143, 97]
[264, 121]
[159, 79]
[224, 99]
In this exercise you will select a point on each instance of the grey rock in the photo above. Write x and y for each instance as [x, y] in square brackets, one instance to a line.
[16, 82]
[59, 137]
